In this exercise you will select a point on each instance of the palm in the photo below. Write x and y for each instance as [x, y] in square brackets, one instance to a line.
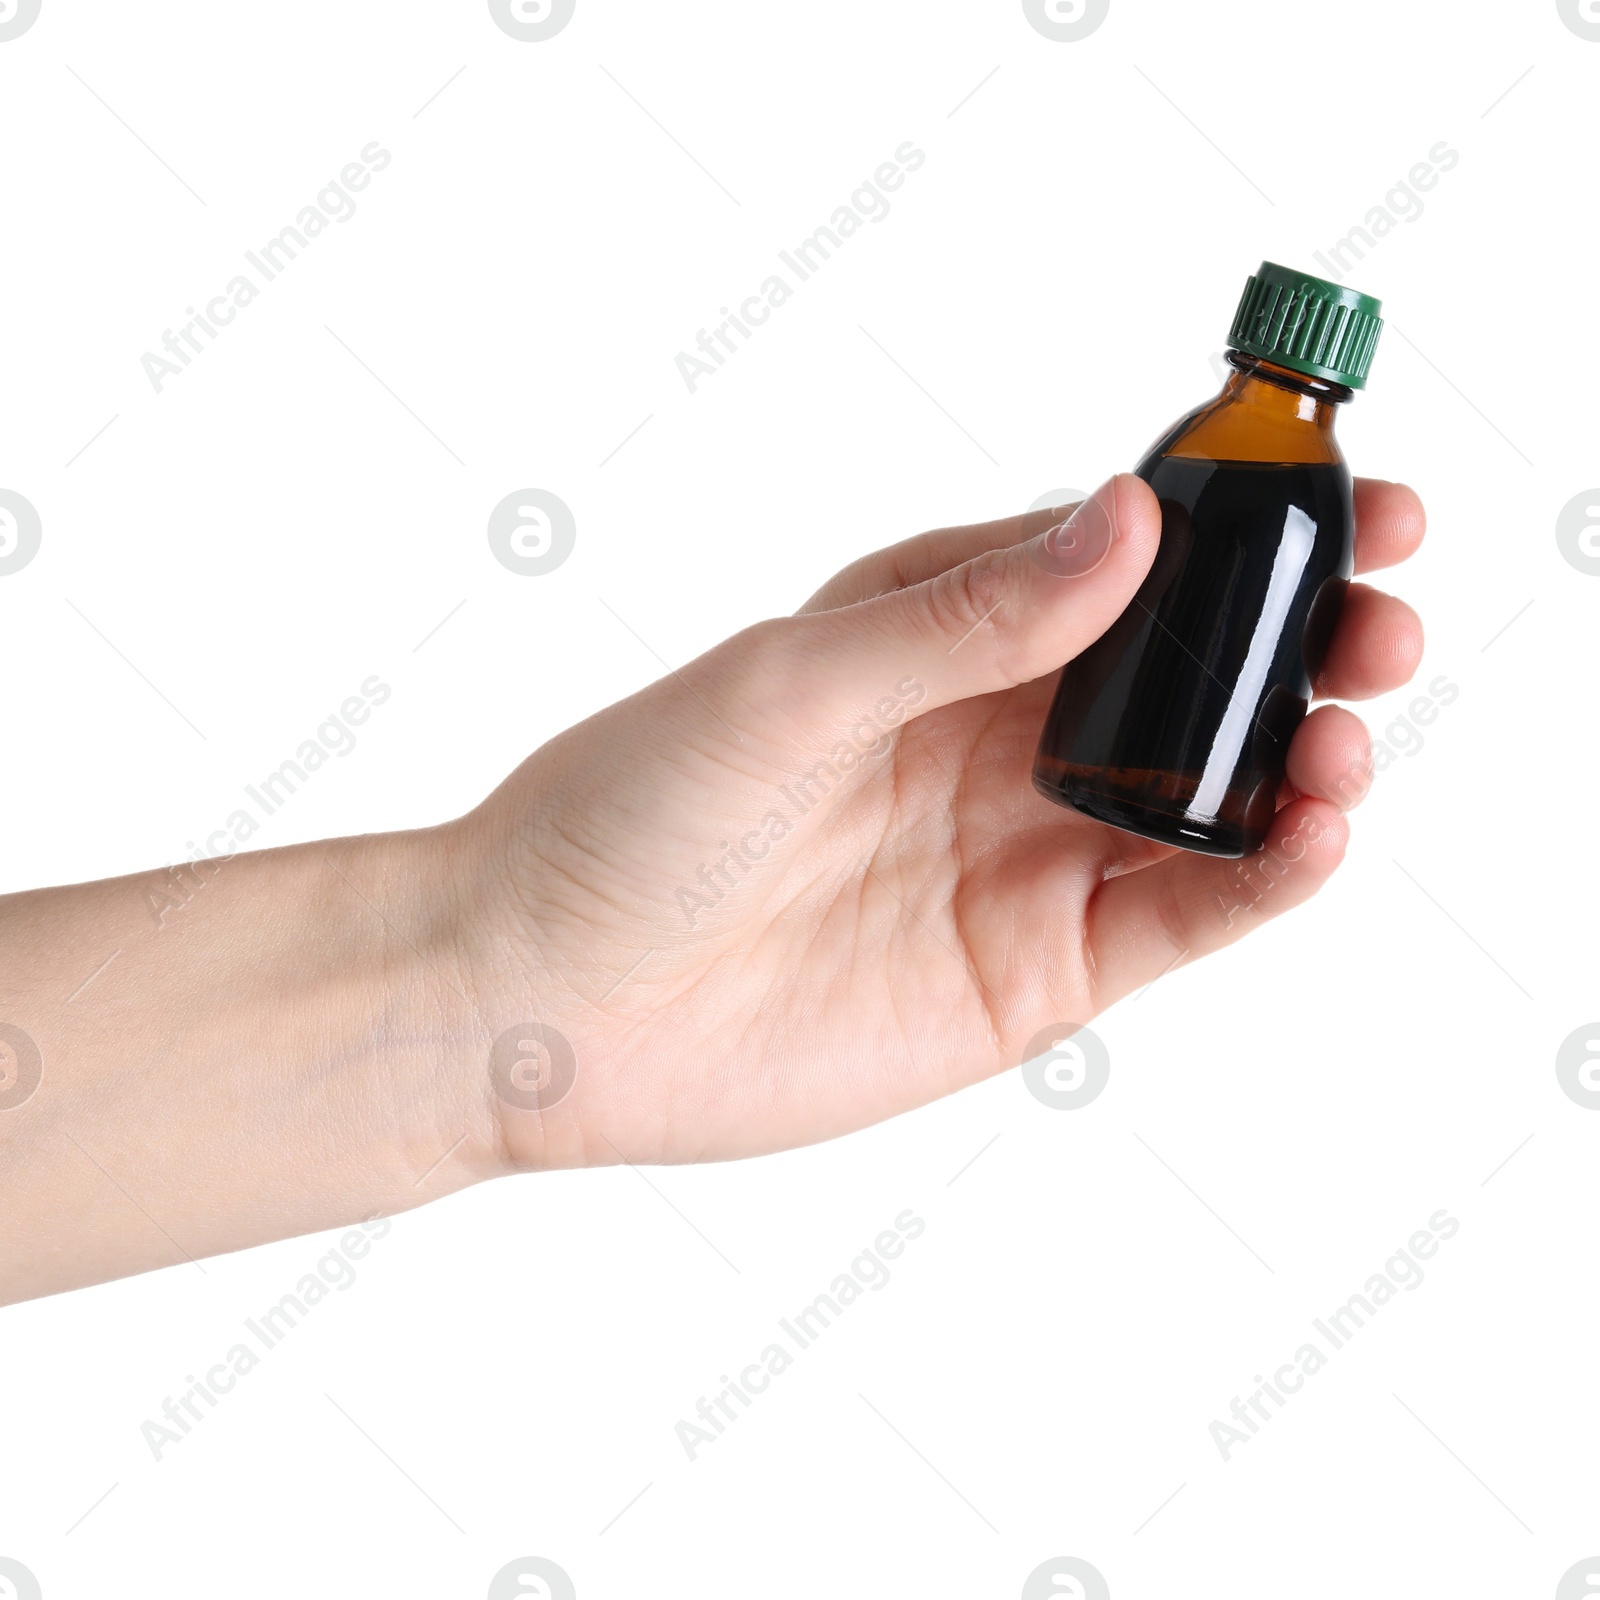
[913, 935]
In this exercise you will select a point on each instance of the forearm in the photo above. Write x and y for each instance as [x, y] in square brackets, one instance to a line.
[288, 1048]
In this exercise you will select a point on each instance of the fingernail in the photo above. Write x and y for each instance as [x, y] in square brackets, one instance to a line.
[1079, 544]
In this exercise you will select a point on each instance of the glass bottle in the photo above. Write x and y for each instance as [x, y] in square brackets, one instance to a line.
[1175, 723]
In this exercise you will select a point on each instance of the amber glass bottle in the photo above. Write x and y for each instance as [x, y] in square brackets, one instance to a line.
[1176, 722]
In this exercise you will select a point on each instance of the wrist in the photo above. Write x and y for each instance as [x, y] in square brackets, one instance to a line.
[538, 1054]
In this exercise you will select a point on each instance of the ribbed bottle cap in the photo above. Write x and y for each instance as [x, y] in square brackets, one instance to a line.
[1308, 325]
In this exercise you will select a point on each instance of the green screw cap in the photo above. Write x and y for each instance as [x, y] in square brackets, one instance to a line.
[1308, 325]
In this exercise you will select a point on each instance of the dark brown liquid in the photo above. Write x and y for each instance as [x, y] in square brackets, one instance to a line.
[1176, 723]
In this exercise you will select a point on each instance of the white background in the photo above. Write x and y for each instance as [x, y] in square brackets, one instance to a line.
[1096, 1287]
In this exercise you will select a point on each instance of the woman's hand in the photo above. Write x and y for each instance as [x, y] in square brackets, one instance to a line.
[799, 886]
[805, 883]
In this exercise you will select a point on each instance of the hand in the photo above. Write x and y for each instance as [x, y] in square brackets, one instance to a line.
[799, 886]
[805, 883]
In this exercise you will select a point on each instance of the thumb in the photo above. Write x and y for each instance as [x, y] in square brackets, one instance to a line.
[1001, 619]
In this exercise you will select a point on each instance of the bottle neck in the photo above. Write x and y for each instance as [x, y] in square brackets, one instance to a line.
[1265, 413]
[1283, 394]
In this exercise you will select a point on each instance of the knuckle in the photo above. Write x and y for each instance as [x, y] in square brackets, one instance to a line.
[850, 583]
[1171, 917]
[762, 664]
[972, 595]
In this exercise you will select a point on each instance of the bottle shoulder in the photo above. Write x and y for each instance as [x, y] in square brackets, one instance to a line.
[1275, 428]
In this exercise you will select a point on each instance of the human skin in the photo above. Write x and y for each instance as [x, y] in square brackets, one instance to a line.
[311, 1042]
